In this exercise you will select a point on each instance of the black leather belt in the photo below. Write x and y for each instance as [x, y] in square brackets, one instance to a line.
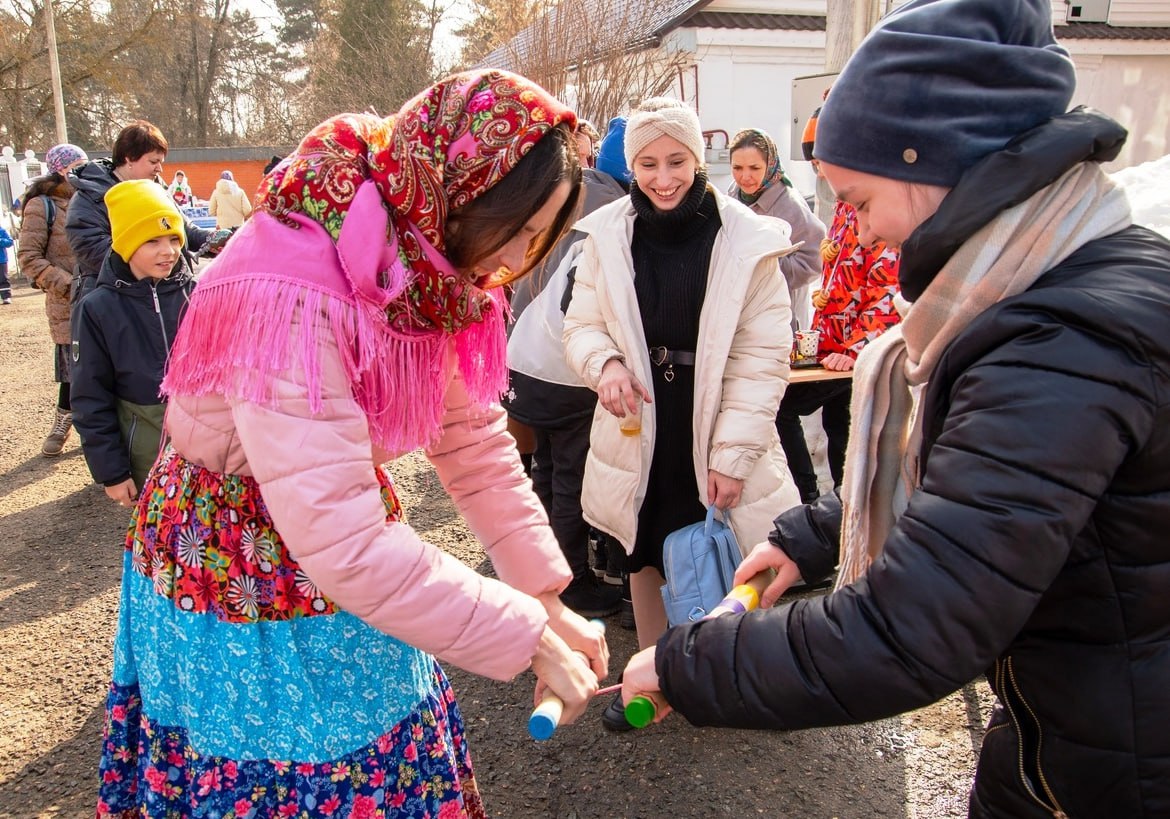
[660, 356]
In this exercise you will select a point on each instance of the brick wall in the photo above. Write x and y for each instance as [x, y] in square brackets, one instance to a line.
[202, 176]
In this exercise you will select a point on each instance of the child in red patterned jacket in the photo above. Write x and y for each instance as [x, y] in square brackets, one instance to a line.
[853, 307]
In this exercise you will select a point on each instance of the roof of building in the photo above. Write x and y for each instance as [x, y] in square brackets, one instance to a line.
[767, 22]
[636, 24]
[629, 24]
[1104, 31]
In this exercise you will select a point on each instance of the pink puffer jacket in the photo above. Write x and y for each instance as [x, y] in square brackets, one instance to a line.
[316, 473]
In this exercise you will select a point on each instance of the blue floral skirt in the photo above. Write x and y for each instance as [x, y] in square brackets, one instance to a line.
[240, 691]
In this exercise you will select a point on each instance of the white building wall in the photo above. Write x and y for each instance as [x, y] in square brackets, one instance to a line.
[1139, 13]
[745, 81]
[1134, 90]
[743, 78]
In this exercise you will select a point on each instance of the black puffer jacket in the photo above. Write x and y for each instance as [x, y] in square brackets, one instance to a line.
[1036, 550]
[124, 333]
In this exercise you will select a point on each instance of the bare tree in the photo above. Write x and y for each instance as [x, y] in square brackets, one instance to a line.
[601, 56]
[88, 45]
[495, 22]
[372, 55]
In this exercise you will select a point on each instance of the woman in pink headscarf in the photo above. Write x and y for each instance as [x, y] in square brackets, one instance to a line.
[278, 617]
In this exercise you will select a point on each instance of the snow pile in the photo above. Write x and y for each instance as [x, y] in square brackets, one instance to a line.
[1148, 188]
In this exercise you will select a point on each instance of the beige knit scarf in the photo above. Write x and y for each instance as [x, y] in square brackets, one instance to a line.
[1002, 259]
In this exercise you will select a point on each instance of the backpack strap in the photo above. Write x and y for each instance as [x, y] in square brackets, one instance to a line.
[727, 547]
[50, 210]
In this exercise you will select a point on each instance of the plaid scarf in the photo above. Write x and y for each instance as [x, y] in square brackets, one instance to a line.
[1002, 259]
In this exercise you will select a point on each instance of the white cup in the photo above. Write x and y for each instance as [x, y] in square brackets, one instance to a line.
[807, 342]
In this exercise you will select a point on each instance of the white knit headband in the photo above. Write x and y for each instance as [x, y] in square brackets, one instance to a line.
[668, 118]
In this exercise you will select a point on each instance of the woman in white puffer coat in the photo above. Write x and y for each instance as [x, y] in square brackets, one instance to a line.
[679, 303]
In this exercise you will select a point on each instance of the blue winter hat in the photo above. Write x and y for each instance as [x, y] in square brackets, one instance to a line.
[940, 84]
[611, 156]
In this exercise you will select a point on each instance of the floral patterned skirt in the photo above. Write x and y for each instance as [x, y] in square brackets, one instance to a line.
[239, 690]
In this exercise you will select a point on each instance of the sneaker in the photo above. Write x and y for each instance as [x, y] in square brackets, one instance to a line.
[6, 300]
[55, 440]
[590, 598]
[614, 716]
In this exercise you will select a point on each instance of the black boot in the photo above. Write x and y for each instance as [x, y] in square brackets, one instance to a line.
[587, 596]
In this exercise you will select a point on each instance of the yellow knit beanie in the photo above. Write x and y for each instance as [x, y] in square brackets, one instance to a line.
[141, 210]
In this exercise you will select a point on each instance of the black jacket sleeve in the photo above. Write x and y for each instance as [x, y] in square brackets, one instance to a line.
[1006, 492]
[87, 227]
[91, 394]
[197, 237]
[810, 534]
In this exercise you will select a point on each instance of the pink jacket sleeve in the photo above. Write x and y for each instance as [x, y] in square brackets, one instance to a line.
[477, 462]
[316, 475]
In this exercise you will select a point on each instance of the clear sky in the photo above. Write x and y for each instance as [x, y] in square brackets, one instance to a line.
[446, 43]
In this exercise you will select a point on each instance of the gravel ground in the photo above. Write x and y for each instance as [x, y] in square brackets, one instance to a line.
[60, 561]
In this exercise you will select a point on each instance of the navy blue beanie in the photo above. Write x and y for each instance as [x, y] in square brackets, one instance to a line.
[611, 156]
[940, 84]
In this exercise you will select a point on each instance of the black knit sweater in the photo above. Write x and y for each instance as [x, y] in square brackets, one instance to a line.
[671, 251]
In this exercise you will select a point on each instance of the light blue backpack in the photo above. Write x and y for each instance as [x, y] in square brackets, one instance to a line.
[700, 562]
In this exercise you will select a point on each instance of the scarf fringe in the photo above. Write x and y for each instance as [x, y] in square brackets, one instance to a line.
[241, 334]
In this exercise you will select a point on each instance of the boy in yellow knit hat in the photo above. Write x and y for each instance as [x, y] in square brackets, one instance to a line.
[125, 329]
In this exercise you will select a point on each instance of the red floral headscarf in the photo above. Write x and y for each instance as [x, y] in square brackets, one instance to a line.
[443, 149]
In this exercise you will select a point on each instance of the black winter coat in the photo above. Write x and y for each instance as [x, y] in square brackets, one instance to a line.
[125, 329]
[1036, 550]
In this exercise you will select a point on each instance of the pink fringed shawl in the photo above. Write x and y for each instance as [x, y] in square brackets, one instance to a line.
[347, 239]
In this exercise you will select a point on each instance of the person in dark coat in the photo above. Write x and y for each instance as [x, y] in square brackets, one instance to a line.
[125, 330]
[139, 152]
[1018, 529]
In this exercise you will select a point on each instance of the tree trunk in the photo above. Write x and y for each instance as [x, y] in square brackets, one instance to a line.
[846, 24]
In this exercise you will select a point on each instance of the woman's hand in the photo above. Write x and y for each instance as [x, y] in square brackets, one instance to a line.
[124, 493]
[563, 672]
[640, 677]
[618, 390]
[723, 491]
[763, 557]
[838, 361]
[580, 634]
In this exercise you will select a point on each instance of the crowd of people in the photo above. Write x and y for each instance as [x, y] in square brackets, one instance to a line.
[997, 447]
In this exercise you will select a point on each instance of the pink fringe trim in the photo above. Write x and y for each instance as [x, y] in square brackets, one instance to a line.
[241, 332]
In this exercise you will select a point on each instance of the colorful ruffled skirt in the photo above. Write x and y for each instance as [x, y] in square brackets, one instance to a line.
[239, 690]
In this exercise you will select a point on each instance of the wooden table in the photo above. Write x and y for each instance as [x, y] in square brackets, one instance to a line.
[803, 375]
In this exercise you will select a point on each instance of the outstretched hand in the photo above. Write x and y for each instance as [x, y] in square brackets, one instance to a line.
[578, 633]
[766, 556]
[641, 677]
[562, 671]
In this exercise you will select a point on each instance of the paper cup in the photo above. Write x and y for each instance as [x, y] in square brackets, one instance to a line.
[807, 342]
